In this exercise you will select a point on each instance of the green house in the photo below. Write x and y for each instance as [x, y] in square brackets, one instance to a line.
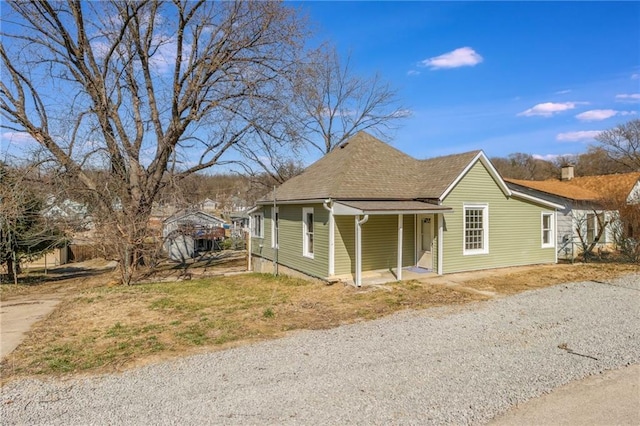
[367, 206]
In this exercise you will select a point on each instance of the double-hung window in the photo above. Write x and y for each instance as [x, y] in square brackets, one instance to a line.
[547, 230]
[307, 232]
[257, 225]
[275, 223]
[594, 222]
[476, 229]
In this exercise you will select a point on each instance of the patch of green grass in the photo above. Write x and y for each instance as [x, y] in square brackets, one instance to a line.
[194, 334]
[268, 313]
[59, 359]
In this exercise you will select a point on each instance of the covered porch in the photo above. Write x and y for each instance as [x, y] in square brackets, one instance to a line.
[385, 241]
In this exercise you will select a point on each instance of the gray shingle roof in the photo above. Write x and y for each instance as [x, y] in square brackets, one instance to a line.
[365, 168]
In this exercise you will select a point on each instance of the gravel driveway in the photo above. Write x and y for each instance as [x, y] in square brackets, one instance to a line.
[459, 365]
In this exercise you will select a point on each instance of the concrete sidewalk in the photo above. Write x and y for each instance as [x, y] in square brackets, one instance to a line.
[611, 398]
[18, 315]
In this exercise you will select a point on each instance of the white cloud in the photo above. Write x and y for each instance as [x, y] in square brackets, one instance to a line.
[601, 114]
[634, 97]
[461, 57]
[547, 109]
[413, 72]
[578, 136]
[563, 92]
[16, 137]
[550, 157]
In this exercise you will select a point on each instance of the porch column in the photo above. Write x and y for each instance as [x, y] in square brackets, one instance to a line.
[440, 257]
[359, 223]
[399, 270]
[358, 278]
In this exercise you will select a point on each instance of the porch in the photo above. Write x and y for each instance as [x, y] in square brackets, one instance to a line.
[398, 236]
[383, 276]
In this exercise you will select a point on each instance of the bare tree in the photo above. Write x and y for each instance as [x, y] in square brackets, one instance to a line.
[590, 229]
[146, 92]
[334, 103]
[525, 166]
[622, 144]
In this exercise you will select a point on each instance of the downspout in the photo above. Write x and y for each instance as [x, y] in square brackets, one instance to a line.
[440, 258]
[275, 231]
[248, 237]
[359, 223]
[328, 206]
[400, 230]
[555, 232]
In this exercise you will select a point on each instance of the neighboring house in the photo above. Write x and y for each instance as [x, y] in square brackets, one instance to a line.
[589, 202]
[188, 233]
[239, 221]
[209, 205]
[73, 214]
[366, 206]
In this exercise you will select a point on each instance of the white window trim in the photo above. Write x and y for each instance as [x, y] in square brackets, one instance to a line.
[274, 229]
[485, 230]
[552, 237]
[305, 241]
[259, 217]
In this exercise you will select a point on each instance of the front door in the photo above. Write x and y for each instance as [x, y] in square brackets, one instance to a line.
[425, 244]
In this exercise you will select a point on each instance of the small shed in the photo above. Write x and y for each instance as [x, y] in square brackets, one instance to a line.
[188, 233]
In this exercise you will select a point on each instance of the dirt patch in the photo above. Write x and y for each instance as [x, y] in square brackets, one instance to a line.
[522, 279]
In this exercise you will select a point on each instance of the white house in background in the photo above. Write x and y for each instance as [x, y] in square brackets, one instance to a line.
[587, 202]
[188, 233]
[209, 205]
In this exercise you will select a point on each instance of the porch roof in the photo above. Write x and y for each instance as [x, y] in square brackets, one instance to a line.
[382, 207]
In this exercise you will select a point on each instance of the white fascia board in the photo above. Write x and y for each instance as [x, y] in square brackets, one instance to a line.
[278, 202]
[528, 197]
[344, 210]
[492, 171]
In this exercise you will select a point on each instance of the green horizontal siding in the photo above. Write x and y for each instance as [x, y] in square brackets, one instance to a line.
[379, 243]
[408, 240]
[345, 245]
[514, 227]
[290, 239]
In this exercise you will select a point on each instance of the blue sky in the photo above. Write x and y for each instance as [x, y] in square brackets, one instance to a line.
[535, 77]
[505, 77]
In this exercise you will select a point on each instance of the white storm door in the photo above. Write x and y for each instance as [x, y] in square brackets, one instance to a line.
[425, 244]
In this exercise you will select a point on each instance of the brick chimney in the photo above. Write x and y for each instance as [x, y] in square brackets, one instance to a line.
[567, 172]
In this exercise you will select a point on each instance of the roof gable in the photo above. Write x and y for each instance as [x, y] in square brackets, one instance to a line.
[199, 217]
[477, 156]
[367, 168]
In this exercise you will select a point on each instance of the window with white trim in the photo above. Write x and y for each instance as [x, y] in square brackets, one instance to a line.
[594, 222]
[257, 225]
[307, 232]
[275, 223]
[547, 230]
[476, 229]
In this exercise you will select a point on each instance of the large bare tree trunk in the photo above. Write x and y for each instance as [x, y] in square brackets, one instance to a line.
[126, 96]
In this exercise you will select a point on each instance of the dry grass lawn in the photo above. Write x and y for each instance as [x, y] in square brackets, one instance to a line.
[98, 328]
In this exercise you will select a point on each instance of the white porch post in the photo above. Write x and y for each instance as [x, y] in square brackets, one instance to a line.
[358, 280]
[440, 243]
[359, 224]
[328, 205]
[399, 270]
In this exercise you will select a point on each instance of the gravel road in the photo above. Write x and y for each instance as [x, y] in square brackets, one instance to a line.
[459, 365]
